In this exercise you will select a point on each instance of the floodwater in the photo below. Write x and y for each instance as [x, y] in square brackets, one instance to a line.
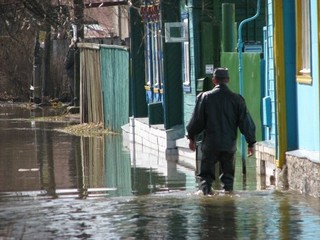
[54, 185]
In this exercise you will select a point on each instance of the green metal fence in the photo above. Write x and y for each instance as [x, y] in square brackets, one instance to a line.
[115, 86]
[252, 83]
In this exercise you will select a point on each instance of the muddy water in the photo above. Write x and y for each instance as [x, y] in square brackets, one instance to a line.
[54, 185]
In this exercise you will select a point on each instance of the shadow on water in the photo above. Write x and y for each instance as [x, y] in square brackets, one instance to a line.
[55, 185]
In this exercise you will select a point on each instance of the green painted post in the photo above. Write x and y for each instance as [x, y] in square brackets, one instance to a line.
[228, 19]
[138, 105]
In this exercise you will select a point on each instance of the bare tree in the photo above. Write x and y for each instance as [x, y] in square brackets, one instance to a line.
[21, 24]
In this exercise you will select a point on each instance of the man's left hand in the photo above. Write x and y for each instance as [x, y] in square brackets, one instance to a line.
[192, 145]
[250, 151]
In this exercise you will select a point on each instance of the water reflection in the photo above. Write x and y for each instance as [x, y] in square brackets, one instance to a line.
[55, 185]
[57, 164]
[218, 218]
[152, 173]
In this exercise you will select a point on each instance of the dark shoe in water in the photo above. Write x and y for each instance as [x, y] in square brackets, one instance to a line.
[205, 187]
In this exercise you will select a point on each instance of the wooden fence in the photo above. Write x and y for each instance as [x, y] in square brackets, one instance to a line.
[104, 85]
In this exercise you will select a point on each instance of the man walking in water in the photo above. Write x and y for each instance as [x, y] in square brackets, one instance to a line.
[218, 114]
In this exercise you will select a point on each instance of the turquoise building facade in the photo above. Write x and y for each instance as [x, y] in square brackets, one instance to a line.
[295, 101]
[308, 93]
[281, 68]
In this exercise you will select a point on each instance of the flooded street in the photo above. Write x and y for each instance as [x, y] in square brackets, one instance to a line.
[54, 185]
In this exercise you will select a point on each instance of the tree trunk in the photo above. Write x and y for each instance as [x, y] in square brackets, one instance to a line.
[78, 20]
[36, 74]
[46, 83]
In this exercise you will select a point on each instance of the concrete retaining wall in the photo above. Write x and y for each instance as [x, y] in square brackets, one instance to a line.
[265, 162]
[155, 137]
[303, 173]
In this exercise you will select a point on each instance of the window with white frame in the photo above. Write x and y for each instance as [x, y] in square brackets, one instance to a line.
[186, 57]
[303, 46]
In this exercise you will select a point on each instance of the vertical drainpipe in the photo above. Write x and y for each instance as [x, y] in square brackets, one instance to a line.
[160, 58]
[240, 48]
[149, 58]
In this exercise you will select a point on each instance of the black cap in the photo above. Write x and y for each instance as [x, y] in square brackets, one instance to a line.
[221, 73]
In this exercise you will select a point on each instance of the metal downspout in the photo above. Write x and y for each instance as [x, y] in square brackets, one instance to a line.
[240, 48]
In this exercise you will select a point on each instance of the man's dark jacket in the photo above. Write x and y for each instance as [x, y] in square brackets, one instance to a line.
[219, 113]
[69, 62]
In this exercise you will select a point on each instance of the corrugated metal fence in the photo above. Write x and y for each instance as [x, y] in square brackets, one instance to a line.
[115, 86]
[90, 84]
[104, 85]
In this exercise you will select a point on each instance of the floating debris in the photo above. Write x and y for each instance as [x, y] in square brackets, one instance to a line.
[60, 118]
[86, 130]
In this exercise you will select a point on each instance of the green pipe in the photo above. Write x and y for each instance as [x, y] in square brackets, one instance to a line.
[240, 48]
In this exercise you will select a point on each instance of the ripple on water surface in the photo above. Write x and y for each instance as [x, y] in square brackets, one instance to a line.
[171, 215]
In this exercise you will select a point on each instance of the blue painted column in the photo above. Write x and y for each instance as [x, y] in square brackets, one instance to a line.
[290, 70]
